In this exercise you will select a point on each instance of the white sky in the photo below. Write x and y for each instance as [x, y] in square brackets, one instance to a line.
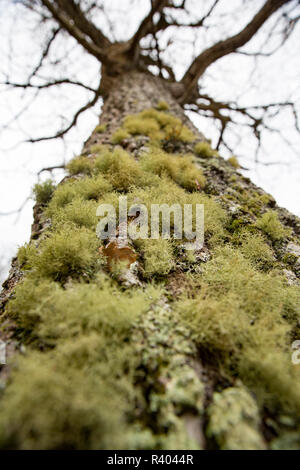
[278, 78]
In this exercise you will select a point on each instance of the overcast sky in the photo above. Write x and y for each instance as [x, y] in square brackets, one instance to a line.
[278, 76]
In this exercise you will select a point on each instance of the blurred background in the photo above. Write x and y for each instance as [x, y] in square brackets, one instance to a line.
[254, 77]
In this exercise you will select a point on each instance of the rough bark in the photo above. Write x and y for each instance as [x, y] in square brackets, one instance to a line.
[176, 376]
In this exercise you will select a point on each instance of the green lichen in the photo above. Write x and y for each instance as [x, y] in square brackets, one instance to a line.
[100, 128]
[91, 340]
[79, 165]
[158, 257]
[71, 251]
[270, 224]
[233, 161]
[120, 168]
[44, 191]
[203, 149]
[243, 318]
[25, 254]
[180, 169]
[119, 136]
[158, 126]
[234, 420]
[162, 106]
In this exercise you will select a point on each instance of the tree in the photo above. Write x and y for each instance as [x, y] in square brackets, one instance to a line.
[141, 343]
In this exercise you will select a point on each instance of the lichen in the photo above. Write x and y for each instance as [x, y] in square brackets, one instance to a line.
[234, 420]
[270, 224]
[180, 169]
[233, 161]
[203, 149]
[44, 191]
[119, 136]
[220, 334]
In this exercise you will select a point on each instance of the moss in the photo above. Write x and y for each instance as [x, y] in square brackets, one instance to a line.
[70, 251]
[25, 254]
[99, 148]
[180, 169]
[242, 316]
[288, 440]
[100, 128]
[89, 188]
[76, 407]
[270, 224]
[234, 420]
[79, 165]
[157, 256]
[233, 161]
[43, 192]
[120, 168]
[119, 135]
[79, 212]
[162, 106]
[158, 125]
[138, 126]
[254, 247]
[203, 149]
[46, 313]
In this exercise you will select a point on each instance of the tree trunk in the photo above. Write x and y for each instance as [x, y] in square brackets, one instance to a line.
[176, 350]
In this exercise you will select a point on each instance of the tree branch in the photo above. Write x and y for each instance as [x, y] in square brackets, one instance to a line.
[229, 45]
[146, 26]
[70, 24]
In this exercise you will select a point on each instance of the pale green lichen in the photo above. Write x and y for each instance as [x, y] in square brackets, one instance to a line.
[180, 169]
[119, 136]
[270, 224]
[162, 106]
[79, 165]
[158, 126]
[91, 341]
[234, 420]
[44, 191]
[203, 149]
[233, 161]
[100, 128]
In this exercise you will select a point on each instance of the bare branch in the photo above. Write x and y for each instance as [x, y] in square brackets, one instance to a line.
[229, 45]
[64, 131]
[60, 14]
[146, 26]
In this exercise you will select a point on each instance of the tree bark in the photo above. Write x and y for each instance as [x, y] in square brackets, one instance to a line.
[176, 376]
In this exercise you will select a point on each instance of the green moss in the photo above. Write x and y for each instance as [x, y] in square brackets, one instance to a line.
[89, 188]
[270, 224]
[79, 165]
[25, 254]
[234, 420]
[119, 136]
[233, 161]
[180, 169]
[99, 148]
[79, 212]
[146, 126]
[162, 106]
[158, 125]
[157, 256]
[100, 128]
[120, 168]
[203, 149]
[71, 251]
[244, 318]
[254, 247]
[75, 407]
[43, 192]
